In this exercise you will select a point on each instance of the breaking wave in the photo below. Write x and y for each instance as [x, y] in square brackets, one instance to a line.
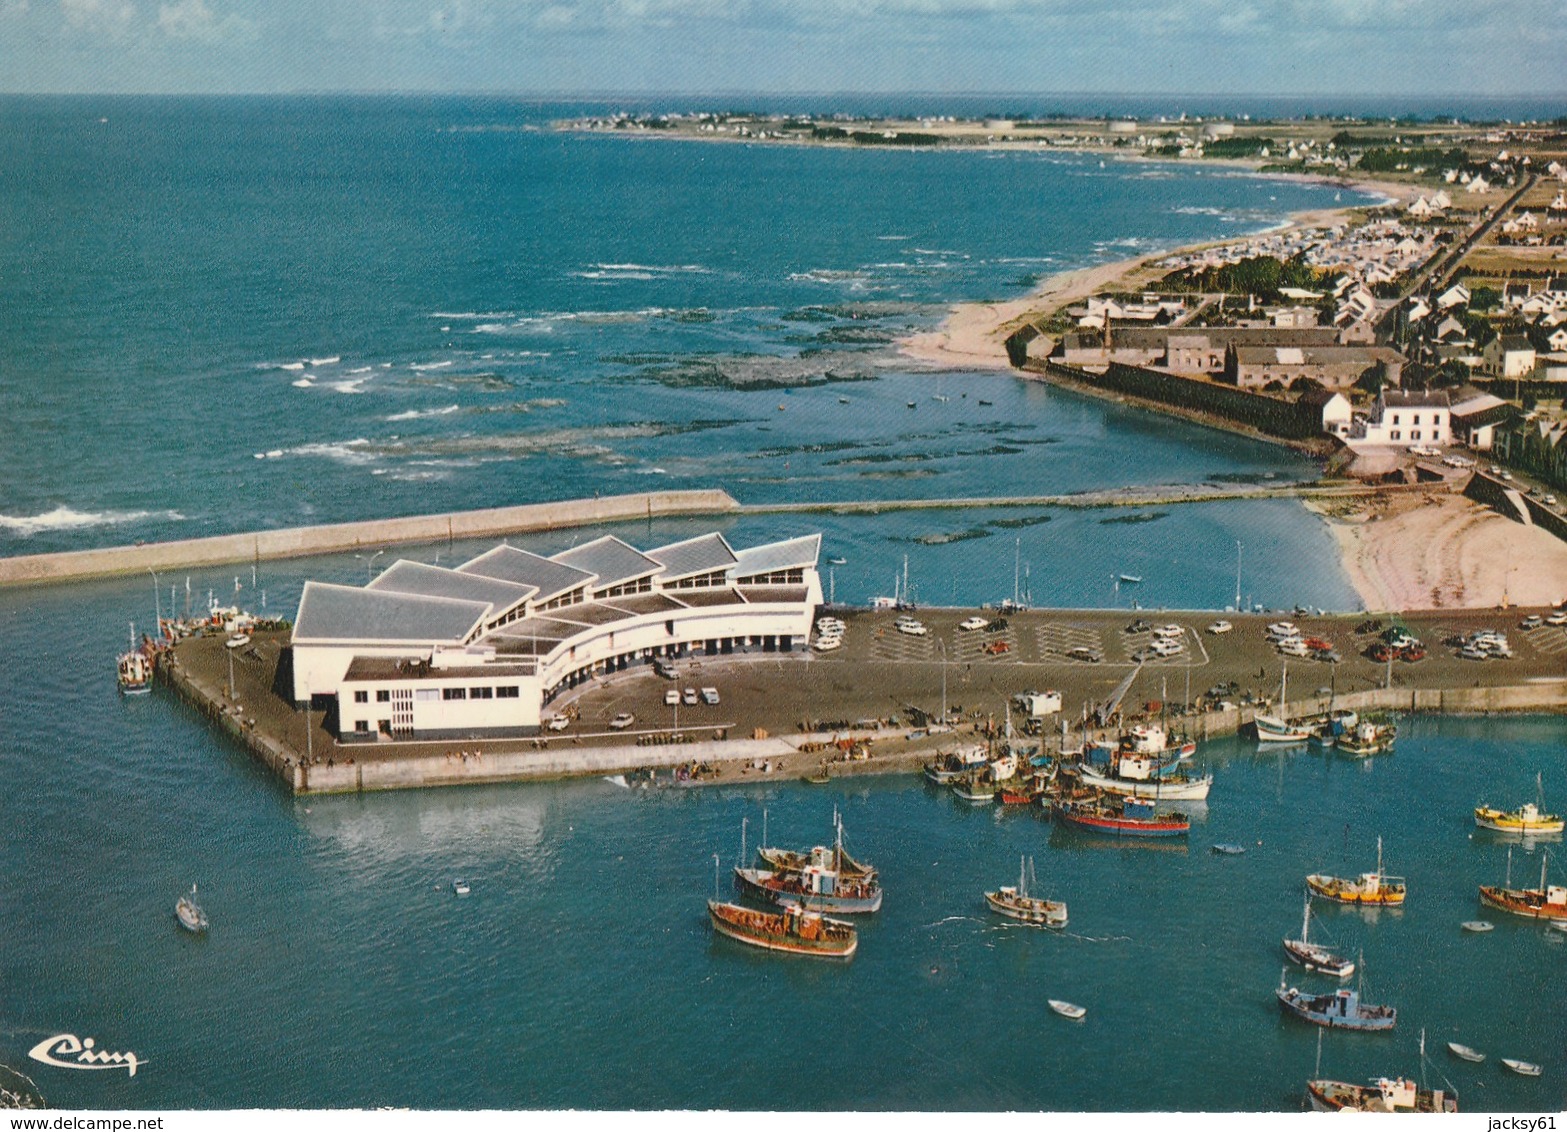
[64, 518]
[420, 414]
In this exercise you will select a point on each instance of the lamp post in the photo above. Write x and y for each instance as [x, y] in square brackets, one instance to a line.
[942, 645]
[369, 563]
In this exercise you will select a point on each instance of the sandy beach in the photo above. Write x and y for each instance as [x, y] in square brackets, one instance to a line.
[973, 335]
[1447, 552]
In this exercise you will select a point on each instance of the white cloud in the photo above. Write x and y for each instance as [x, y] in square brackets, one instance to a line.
[192, 19]
[109, 16]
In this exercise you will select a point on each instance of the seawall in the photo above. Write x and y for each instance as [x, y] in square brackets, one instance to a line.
[300, 542]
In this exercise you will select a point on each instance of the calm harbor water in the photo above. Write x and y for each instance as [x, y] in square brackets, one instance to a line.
[406, 306]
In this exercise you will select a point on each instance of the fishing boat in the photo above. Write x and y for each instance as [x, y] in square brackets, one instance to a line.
[1121, 816]
[1522, 1068]
[238, 640]
[134, 670]
[789, 860]
[1015, 902]
[1176, 787]
[1023, 790]
[1385, 1094]
[1543, 903]
[835, 560]
[793, 930]
[1330, 728]
[1313, 956]
[1228, 849]
[982, 401]
[1367, 739]
[460, 887]
[957, 763]
[1272, 729]
[1340, 1009]
[819, 887]
[1465, 1052]
[1369, 888]
[975, 786]
[1067, 1009]
[1527, 819]
[189, 913]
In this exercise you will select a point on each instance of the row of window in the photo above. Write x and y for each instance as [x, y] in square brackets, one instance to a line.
[1436, 419]
[701, 581]
[481, 692]
[572, 597]
[794, 577]
[626, 589]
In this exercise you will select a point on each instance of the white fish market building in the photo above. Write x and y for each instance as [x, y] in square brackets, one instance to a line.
[429, 653]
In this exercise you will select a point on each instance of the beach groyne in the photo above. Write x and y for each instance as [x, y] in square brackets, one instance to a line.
[301, 542]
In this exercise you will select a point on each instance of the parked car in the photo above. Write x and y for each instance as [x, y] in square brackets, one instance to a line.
[1220, 627]
[1138, 626]
[1169, 631]
[910, 626]
[1533, 621]
[1084, 653]
[1550, 501]
[710, 697]
[827, 644]
[559, 722]
[671, 696]
[1559, 618]
[969, 624]
[1379, 652]
[1412, 653]
[689, 699]
[996, 626]
[996, 648]
[1371, 625]
[622, 721]
[665, 669]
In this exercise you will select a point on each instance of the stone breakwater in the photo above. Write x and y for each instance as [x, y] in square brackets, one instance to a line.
[301, 542]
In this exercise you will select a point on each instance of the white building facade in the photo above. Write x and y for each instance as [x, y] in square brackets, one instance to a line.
[425, 652]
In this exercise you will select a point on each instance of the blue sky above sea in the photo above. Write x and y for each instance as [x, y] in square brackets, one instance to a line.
[1335, 53]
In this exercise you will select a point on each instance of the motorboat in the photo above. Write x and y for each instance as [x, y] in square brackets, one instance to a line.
[1067, 1009]
[1467, 1053]
[1015, 902]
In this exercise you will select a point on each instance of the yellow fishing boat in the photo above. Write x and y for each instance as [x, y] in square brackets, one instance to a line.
[1375, 888]
[1527, 819]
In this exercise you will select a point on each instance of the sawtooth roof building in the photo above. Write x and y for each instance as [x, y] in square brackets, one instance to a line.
[427, 652]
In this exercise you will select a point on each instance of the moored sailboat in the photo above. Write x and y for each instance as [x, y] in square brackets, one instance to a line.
[1313, 956]
[189, 913]
[133, 670]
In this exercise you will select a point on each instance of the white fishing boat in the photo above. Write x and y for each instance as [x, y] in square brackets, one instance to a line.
[1466, 1052]
[1066, 1009]
[1313, 956]
[1477, 925]
[1522, 1068]
[1017, 904]
[1272, 729]
[189, 913]
[1176, 788]
[460, 887]
[134, 670]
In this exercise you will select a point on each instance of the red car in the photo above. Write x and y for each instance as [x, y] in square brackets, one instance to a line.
[1412, 653]
[996, 648]
[1379, 652]
[1317, 644]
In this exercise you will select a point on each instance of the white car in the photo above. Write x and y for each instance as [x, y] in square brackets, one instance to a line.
[671, 696]
[559, 722]
[1294, 647]
[1283, 629]
[1166, 647]
[827, 644]
[910, 626]
[710, 696]
[972, 623]
[689, 699]
[1557, 618]
[622, 721]
[1220, 627]
[825, 623]
[1169, 631]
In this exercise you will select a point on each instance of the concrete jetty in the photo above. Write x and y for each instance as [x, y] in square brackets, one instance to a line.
[300, 542]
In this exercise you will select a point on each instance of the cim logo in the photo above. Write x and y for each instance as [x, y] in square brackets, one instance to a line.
[67, 1051]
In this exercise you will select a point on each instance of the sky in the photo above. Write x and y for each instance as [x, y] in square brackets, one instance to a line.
[582, 47]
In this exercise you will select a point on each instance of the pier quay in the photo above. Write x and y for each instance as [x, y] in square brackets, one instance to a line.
[874, 705]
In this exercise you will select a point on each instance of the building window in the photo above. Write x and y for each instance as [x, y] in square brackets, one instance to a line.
[383, 696]
[1416, 421]
[454, 693]
[481, 693]
[1397, 435]
[1395, 421]
[362, 726]
[361, 697]
[507, 692]
[423, 695]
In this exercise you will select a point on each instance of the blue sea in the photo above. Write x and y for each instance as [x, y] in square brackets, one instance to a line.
[228, 314]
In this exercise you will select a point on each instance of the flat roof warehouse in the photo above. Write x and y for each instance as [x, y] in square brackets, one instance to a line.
[429, 652]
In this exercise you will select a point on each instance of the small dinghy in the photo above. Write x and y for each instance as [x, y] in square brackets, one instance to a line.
[460, 887]
[1522, 1068]
[1477, 925]
[1067, 1009]
[1229, 849]
[189, 913]
[1465, 1052]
